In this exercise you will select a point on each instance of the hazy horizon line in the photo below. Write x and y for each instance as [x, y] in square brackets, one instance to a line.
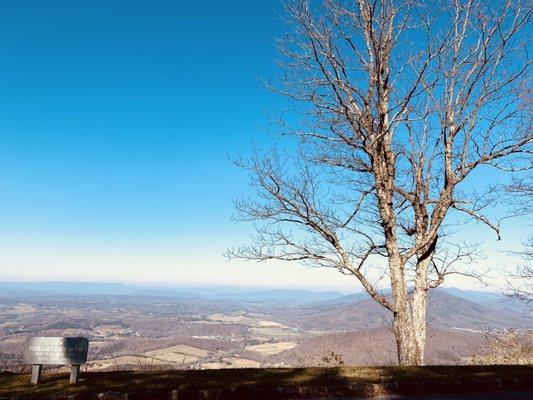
[192, 285]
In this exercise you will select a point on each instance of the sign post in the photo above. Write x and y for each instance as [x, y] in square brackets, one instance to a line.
[74, 374]
[36, 373]
[56, 351]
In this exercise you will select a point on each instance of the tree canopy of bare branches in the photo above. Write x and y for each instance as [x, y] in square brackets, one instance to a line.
[521, 286]
[396, 104]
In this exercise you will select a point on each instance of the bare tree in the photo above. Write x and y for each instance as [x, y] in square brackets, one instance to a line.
[524, 274]
[521, 191]
[506, 348]
[396, 104]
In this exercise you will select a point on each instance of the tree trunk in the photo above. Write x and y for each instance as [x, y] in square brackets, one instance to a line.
[410, 317]
[402, 323]
[405, 340]
[419, 324]
[419, 304]
[410, 332]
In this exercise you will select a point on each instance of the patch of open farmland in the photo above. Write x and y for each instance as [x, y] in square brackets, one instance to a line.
[273, 333]
[245, 363]
[172, 357]
[271, 324]
[233, 319]
[271, 348]
[124, 362]
[179, 353]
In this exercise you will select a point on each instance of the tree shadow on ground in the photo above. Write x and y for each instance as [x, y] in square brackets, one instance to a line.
[276, 382]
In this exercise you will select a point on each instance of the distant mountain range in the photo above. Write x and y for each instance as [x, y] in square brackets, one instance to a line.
[447, 308]
[239, 294]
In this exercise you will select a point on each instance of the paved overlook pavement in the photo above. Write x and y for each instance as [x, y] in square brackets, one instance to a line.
[499, 395]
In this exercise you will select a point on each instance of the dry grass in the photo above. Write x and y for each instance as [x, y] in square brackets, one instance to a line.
[18, 384]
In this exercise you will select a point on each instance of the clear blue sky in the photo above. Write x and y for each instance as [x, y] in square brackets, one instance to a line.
[117, 118]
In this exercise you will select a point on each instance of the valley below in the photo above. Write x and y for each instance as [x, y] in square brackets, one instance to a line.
[140, 329]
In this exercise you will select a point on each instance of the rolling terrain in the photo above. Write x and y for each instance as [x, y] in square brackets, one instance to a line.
[132, 327]
[444, 311]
